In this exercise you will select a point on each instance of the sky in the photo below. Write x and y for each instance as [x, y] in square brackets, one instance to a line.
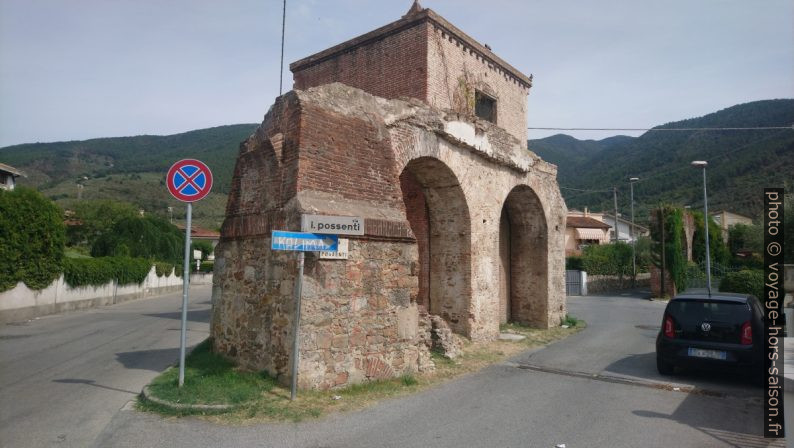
[79, 69]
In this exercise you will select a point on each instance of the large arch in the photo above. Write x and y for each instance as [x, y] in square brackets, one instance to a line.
[438, 214]
[523, 259]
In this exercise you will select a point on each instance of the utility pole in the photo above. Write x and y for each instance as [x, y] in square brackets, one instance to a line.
[703, 164]
[615, 198]
[631, 234]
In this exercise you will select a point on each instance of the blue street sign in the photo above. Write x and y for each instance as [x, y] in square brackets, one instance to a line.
[303, 242]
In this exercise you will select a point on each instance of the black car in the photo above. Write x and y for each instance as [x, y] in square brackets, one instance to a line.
[718, 331]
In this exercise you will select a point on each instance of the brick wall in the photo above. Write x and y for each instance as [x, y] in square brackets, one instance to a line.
[417, 213]
[453, 65]
[391, 67]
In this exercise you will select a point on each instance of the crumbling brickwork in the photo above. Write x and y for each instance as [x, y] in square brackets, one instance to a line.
[362, 317]
[464, 227]
[423, 56]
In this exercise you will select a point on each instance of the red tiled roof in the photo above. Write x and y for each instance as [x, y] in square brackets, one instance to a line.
[586, 222]
[200, 232]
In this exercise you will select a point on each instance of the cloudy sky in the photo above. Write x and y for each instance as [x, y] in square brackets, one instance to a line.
[78, 69]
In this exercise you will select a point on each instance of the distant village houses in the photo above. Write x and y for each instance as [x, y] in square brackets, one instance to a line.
[586, 228]
[8, 176]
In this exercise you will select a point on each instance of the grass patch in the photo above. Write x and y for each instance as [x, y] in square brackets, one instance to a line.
[211, 379]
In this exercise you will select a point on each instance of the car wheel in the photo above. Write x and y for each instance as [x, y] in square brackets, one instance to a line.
[664, 367]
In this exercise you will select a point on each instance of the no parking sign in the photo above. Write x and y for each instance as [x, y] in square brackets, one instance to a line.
[188, 180]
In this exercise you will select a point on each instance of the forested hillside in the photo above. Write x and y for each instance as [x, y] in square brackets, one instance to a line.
[741, 163]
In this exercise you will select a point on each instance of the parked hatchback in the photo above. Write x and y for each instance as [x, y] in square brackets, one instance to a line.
[718, 331]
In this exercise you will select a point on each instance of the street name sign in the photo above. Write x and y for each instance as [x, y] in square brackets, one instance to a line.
[336, 225]
[303, 242]
[340, 254]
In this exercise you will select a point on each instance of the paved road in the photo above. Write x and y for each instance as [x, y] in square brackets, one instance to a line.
[63, 377]
[509, 406]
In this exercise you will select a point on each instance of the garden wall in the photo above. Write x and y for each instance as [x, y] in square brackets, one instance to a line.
[22, 303]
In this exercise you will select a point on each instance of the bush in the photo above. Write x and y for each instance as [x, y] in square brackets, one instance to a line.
[206, 266]
[574, 263]
[163, 269]
[32, 238]
[204, 246]
[98, 271]
[148, 237]
[608, 259]
[748, 281]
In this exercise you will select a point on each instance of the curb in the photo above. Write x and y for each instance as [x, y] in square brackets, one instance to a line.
[147, 395]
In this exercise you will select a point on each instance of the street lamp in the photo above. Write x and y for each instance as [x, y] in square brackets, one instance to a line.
[631, 233]
[703, 164]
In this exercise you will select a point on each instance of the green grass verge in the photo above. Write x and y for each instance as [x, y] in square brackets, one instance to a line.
[211, 379]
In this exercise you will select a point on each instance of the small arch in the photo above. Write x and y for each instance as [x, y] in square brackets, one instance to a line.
[438, 214]
[523, 259]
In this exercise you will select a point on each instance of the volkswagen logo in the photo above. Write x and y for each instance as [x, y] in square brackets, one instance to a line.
[706, 326]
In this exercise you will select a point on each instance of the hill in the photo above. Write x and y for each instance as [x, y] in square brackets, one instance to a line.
[741, 163]
[131, 169]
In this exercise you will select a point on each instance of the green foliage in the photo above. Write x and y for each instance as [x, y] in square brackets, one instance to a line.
[207, 266]
[745, 281]
[96, 217]
[98, 271]
[204, 246]
[574, 263]
[669, 219]
[661, 160]
[147, 237]
[745, 237]
[163, 268]
[32, 239]
[608, 259]
[643, 247]
[717, 248]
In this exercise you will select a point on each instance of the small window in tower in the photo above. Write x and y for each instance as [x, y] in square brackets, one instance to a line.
[484, 106]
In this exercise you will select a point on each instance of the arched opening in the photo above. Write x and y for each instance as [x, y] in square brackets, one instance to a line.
[523, 259]
[439, 217]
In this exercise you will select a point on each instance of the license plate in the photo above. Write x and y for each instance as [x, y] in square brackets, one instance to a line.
[703, 353]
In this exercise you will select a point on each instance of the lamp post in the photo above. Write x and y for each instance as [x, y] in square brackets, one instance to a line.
[703, 164]
[631, 233]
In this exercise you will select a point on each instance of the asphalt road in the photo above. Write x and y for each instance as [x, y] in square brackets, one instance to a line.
[64, 377]
[508, 405]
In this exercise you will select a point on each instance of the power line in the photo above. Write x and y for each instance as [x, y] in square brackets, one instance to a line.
[757, 128]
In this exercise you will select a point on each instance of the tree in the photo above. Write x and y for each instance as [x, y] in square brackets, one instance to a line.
[745, 237]
[717, 248]
[667, 220]
[144, 237]
[32, 239]
[95, 217]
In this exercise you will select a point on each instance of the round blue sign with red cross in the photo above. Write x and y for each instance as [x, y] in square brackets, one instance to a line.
[189, 180]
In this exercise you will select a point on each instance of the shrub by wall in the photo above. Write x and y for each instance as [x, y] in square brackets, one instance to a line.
[574, 263]
[147, 237]
[32, 238]
[98, 271]
[163, 268]
[748, 281]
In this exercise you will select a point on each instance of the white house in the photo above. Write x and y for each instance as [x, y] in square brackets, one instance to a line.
[8, 176]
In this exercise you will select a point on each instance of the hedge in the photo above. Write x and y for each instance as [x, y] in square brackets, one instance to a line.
[207, 266]
[32, 238]
[574, 263]
[747, 281]
[147, 237]
[99, 271]
[163, 269]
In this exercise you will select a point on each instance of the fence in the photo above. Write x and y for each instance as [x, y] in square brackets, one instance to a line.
[578, 283]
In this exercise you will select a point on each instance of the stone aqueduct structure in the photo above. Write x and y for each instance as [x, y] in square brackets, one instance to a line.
[461, 220]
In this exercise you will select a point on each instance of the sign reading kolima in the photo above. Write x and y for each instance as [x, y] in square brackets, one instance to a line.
[336, 225]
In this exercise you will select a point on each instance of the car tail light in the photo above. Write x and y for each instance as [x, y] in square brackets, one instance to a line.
[747, 333]
[669, 327]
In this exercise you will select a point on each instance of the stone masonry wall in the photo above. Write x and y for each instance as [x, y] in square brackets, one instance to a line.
[360, 317]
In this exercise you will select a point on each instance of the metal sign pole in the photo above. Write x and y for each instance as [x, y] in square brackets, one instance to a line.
[185, 288]
[296, 342]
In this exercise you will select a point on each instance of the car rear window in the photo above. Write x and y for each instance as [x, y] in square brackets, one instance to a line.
[696, 311]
